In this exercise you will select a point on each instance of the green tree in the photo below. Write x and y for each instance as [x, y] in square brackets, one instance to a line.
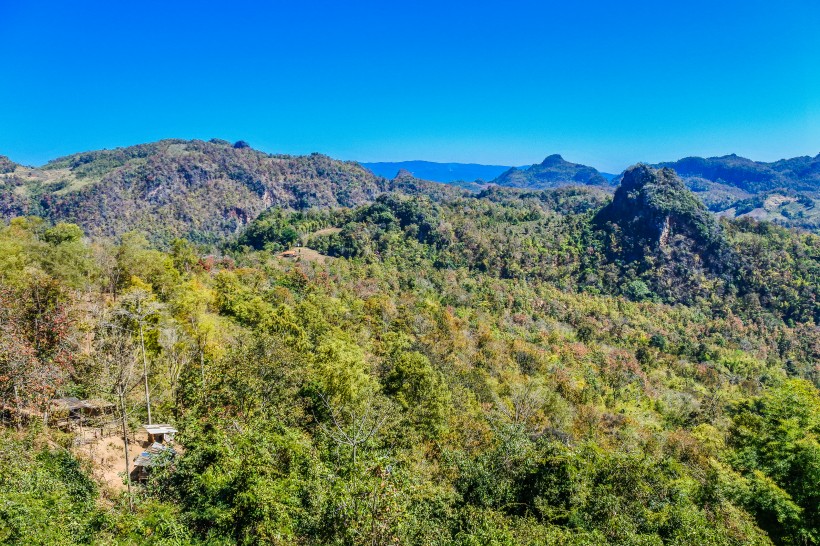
[420, 390]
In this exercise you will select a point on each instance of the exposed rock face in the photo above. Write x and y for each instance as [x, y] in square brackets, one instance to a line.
[200, 190]
[402, 174]
[652, 206]
[553, 172]
[657, 227]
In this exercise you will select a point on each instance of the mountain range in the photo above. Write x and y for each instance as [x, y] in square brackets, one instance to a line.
[207, 190]
[785, 191]
[174, 188]
[468, 175]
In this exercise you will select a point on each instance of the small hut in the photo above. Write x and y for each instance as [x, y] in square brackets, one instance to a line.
[97, 407]
[66, 412]
[155, 455]
[159, 433]
[70, 411]
[68, 406]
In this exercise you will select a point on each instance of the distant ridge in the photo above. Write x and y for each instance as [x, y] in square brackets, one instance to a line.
[438, 172]
[206, 191]
[786, 192]
[553, 172]
[798, 173]
[463, 173]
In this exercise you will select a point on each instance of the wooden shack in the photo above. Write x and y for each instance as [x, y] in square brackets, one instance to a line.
[97, 407]
[159, 433]
[153, 456]
[70, 411]
[65, 412]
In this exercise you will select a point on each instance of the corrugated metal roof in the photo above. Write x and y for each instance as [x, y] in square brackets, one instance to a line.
[160, 429]
[149, 457]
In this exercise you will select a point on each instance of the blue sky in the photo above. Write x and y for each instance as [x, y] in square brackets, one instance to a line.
[602, 83]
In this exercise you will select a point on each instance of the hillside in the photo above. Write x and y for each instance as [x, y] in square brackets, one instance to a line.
[662, 232]
[7, 165]
[430, 367]
[799, 173]
[786, 192]
[553, 172]
[194, 189]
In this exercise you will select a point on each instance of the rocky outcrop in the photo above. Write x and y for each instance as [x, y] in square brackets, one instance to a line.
[659, 230]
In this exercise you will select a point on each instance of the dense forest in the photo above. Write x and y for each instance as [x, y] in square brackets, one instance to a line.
[400, 362]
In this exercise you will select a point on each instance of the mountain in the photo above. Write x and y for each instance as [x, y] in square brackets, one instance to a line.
[196, 189]
[438, 172]
[786, 191]
[553, 172]
[662, 231]
[799, 173]
[651, 207]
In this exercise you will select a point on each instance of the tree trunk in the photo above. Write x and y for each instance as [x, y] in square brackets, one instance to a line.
[145, 374]
[19, 416]
[202, 368]
[125, 442]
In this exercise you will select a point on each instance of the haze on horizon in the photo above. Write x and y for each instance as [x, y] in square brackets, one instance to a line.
[601, 83]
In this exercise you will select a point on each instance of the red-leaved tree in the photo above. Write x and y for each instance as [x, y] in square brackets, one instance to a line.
[35, 352]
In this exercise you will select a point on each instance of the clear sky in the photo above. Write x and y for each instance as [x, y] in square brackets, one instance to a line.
[603, 83]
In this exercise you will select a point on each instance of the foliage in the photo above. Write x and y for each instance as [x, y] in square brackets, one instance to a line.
[46, 497]
[498, 368]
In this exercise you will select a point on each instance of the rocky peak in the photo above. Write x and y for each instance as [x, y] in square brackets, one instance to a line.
[652, 208]
[552, 160]
[553, 172]
[402, 174]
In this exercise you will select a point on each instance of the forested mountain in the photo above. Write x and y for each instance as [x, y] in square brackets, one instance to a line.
[553, 172]
[195, 189]
[785, 191]
[799, 173]
[660, 231]
[368, 361]
[206, 191]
